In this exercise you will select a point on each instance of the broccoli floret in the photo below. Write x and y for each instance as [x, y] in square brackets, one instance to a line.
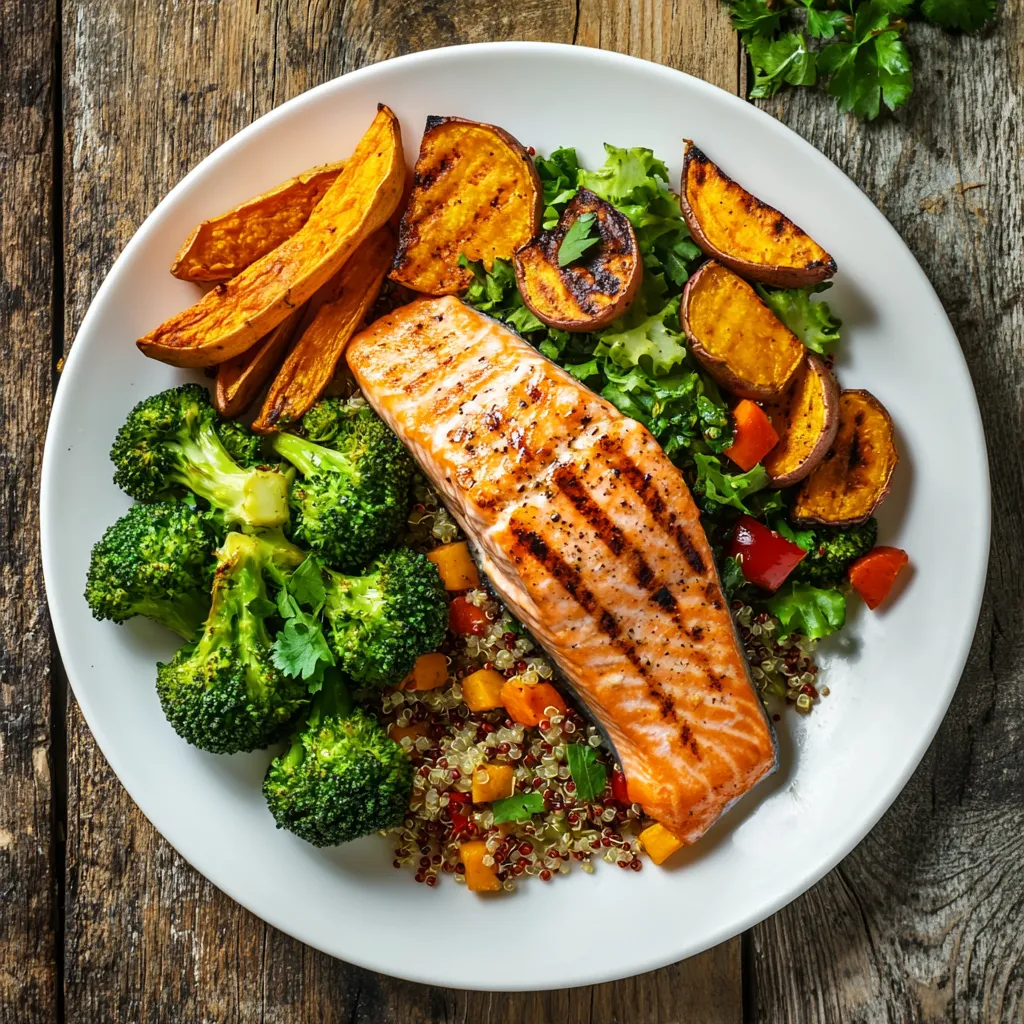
[170, 445]
[353, 497]
[157, 561]
[323, 422]
[342, 777]
[832, 551]
[245, 447]
[223, 693]
[380, 623]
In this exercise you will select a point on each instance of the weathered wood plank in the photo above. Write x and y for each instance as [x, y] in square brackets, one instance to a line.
[28, 889]
[145, 933]
[925, 920]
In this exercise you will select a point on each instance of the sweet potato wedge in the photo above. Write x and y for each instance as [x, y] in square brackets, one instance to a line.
[236, 314]
[476, 192]
[241, 379]
[738, 339]
[590, 292]
[806, 418]
[223, 246]
[856, 473]
[748, 236]
[342, 305]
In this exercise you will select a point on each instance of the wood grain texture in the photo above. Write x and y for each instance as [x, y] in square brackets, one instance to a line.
[28, 974]
[925, 920]
[147, 938]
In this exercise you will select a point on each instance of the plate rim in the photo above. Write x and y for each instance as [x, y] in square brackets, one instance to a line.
[49, 517]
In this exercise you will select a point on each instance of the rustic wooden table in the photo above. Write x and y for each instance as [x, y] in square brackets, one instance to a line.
[105, 105]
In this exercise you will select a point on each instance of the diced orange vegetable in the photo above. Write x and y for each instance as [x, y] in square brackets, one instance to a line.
[754, 436]
[429, 672]
[465, 619]
[457, 568]
[480, 877]
[873, 575]
[527, 704]
[414, 732]
[659, 843]
[492, 782]
[482, 689]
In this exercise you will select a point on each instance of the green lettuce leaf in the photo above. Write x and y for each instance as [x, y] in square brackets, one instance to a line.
[715, 487]
[811, 321]
[801, 608]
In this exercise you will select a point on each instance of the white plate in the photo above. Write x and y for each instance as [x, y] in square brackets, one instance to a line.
[841, 767]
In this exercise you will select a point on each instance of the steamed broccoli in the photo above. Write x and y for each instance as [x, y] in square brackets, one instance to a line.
[380, 623]
[245, 447]
[832, 550]
[171, 444]
[156, 560]
[342, 777]
[223, 693]
[354, 494]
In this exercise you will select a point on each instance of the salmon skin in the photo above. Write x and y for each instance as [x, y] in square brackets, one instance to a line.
[591, 538]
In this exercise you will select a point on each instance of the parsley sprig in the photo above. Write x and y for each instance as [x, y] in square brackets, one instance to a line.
[853, 47]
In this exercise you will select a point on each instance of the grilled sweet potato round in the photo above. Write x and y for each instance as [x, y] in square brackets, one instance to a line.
[806, 418]
[856, 473]
[737, 229]
[590, 292]
[476, 192]
[738, 339]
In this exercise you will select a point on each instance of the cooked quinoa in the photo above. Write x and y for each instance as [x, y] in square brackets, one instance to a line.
[455, 741]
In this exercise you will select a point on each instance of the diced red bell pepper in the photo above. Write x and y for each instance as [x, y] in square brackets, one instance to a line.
[873, 575]
[466, 619]
[765, 557]
[753, 435]
[620, 793]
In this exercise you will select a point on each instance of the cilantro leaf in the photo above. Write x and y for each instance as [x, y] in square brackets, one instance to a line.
[823, 24]
[785, 59]
[306, 584]
[518, 807]
[300, 647]
[812, 322]
[801, 608]
[964, 15]
[578, 239]
[588, 772]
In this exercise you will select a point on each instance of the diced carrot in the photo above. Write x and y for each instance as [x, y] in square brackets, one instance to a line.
[481, 690]
[527, 703]
[873, 575]
[753, 435]
[457, 568]
[480, 877]
[659, 843]
[492, 782]
[429, 672]
[414, 732]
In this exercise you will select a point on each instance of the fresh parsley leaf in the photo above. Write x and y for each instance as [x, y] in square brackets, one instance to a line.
[518, 807]
[805, 539]
[715, 487]
[964, 15]
[812, 322]
[588, 772]
[261, 607]
[784, 59]
[801, 608]
[306, 584]
[733, 579]
[823, 24]
[758, 17]
[584, 371]
[300, 649]
[578, 239]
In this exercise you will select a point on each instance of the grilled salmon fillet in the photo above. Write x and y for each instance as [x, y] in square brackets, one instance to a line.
[590, 536]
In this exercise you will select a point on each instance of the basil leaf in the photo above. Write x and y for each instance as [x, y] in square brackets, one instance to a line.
[518, 807]
[578, 239]
[589, 774]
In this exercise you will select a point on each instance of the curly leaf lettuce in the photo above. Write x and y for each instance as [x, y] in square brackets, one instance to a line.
[811, 321]
[801, 608]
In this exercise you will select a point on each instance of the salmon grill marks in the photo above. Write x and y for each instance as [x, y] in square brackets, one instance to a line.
[590, 536]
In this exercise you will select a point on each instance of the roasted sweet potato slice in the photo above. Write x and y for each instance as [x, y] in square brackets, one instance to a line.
[590, 292]
[241, 379]
[223, 246]
[856, 473]
[342, 305]
[806, 418]
[476, 192]
[737, 338]
[236, 314]
[748, 236]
